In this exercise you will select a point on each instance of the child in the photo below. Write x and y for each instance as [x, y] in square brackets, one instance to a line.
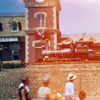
[82, 95]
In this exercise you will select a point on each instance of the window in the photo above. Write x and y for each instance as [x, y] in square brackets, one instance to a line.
[1, 28]
[19, 26]
[1, 46]
[14, 26]
[40, 20]
[15, 51]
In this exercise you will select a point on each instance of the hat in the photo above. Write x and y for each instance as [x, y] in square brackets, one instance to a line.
[71, 76]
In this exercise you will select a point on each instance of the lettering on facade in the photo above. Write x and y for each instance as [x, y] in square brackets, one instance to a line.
[8, 39]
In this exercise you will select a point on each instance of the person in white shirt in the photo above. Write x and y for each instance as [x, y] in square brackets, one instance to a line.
[44, 91]
[26, 87]
[23, 89]
[69, 87]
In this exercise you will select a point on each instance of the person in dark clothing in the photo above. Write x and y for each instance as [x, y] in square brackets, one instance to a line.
[23, 89]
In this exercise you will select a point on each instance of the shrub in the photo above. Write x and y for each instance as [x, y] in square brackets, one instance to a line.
[12, 65]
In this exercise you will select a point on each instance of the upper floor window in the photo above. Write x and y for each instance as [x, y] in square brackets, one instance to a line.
[15, 25]
[41, 19]
[19, 26]
[1, 27]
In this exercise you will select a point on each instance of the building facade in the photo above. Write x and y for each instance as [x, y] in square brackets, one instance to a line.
[42, 27]
[12, 37]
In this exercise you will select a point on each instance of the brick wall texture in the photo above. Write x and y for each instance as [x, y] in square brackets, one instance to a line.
[88, 78]
[33, 21]
[31, 49]
[22, 51]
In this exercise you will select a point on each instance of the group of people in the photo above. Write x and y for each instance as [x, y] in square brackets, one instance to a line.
[45, 93]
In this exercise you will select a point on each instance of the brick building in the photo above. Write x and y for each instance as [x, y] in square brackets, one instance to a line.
[42, 27]
[12, 37]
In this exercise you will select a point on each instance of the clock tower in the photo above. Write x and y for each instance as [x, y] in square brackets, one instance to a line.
[42, 27]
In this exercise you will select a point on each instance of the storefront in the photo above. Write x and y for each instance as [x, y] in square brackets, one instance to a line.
[12, 48]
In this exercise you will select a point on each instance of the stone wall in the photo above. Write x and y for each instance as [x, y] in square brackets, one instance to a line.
[88, 77]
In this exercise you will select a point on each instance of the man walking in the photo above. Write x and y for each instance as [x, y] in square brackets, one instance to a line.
[23, 89]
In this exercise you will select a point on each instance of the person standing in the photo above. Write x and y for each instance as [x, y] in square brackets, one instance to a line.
[69, 87]
[44, 91]
[23, 89]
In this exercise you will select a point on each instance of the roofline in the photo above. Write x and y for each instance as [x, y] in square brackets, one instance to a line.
[88, 34]
[12, 14]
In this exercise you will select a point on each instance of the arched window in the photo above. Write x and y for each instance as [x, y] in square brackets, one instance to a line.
[40, 20]
[1, 28]
[14, 26]
[19, 26]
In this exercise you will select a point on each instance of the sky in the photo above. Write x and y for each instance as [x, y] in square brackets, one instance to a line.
[76, 16]
[79, 16]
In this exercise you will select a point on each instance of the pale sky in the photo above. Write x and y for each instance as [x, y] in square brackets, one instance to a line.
[79, 16]
[76, 16]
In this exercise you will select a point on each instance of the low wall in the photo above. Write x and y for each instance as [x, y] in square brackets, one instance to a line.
[88, 77]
